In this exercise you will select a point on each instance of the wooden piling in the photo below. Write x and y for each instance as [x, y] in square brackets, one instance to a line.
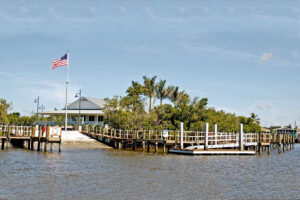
[3, 143]
[259, 143]
[148, 146]
[39, 138]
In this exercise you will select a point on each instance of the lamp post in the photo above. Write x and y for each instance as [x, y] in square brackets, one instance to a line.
[37, 106]
[42, 107]
[78, 94]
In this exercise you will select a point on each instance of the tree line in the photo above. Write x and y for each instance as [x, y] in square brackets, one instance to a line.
[15, 118]
[139, 109]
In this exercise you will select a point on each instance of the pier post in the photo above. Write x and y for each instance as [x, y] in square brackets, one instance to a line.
[206, 136]
[259, 143]
[279, 143]
[181, 135]
[124, 144]
[144, 138]
[283, 145]
[59, 150]
[39, 138]
[216, 133]
[241, 137]
[32, 135]
[28, 143]
[133, 145]
[148, 146]
[3, 142]
[144, 145]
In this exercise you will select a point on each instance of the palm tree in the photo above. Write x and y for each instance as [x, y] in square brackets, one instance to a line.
[173, 94]
[255, 117]
[150, 88]
[161, 91]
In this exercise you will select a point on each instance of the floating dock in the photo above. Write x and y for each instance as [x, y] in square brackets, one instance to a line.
[211, 152]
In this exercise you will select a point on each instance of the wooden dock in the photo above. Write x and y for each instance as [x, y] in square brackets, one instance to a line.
[212, 152]
[192, 142]
[30, 136]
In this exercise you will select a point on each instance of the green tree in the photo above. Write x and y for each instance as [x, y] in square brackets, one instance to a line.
[129, 112]
[161, 91]
[173, 94]
[150, 89]
[134, 95]
[4, 107]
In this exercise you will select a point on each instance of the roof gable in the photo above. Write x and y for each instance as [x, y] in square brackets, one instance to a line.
[87, 103]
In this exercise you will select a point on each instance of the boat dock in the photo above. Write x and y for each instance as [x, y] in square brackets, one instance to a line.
[192, 142]
[30, 137]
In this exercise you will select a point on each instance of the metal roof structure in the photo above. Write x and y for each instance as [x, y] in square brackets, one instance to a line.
[88, 105]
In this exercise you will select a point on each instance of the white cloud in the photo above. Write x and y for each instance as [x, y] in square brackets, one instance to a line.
[122, 9]
[137, 48]
[231, 9]
[23, 9]
[295, 54]
[93, 9]
[181, 9]
[295, 9]
[205, 9]
[263, 106]
[51, 9]
[215, 51]
[147, 9]
[266, 57]
[52, 93]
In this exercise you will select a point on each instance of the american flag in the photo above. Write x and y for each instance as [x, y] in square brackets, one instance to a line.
[62, 61]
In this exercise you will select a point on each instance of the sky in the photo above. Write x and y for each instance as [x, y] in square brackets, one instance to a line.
[242, 55]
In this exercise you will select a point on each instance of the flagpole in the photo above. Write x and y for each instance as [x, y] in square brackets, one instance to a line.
[67, 81]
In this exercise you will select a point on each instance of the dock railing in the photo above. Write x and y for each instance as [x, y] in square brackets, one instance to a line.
[198, 139]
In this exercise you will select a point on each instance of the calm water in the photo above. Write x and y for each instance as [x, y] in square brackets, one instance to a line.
[88, 172]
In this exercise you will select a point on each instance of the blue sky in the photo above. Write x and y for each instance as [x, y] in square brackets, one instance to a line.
[242, 55]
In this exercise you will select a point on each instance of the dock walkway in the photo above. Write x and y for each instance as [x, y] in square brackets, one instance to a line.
[192, 142]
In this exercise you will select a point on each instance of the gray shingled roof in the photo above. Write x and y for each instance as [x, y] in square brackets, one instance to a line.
[87, 103]
[99, 102]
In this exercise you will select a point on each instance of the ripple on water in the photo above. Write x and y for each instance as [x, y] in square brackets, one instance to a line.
[94, 173]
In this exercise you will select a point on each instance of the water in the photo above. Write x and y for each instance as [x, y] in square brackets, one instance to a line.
[89, 172]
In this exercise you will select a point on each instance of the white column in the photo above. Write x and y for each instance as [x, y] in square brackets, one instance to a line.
[206, 136]
[181, 135]
[216, 133]
[241, 138]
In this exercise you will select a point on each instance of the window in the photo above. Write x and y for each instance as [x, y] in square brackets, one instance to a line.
[91, 118]
[100, 118]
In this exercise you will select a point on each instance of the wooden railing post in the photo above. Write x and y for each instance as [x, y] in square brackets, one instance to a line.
[216, 133]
